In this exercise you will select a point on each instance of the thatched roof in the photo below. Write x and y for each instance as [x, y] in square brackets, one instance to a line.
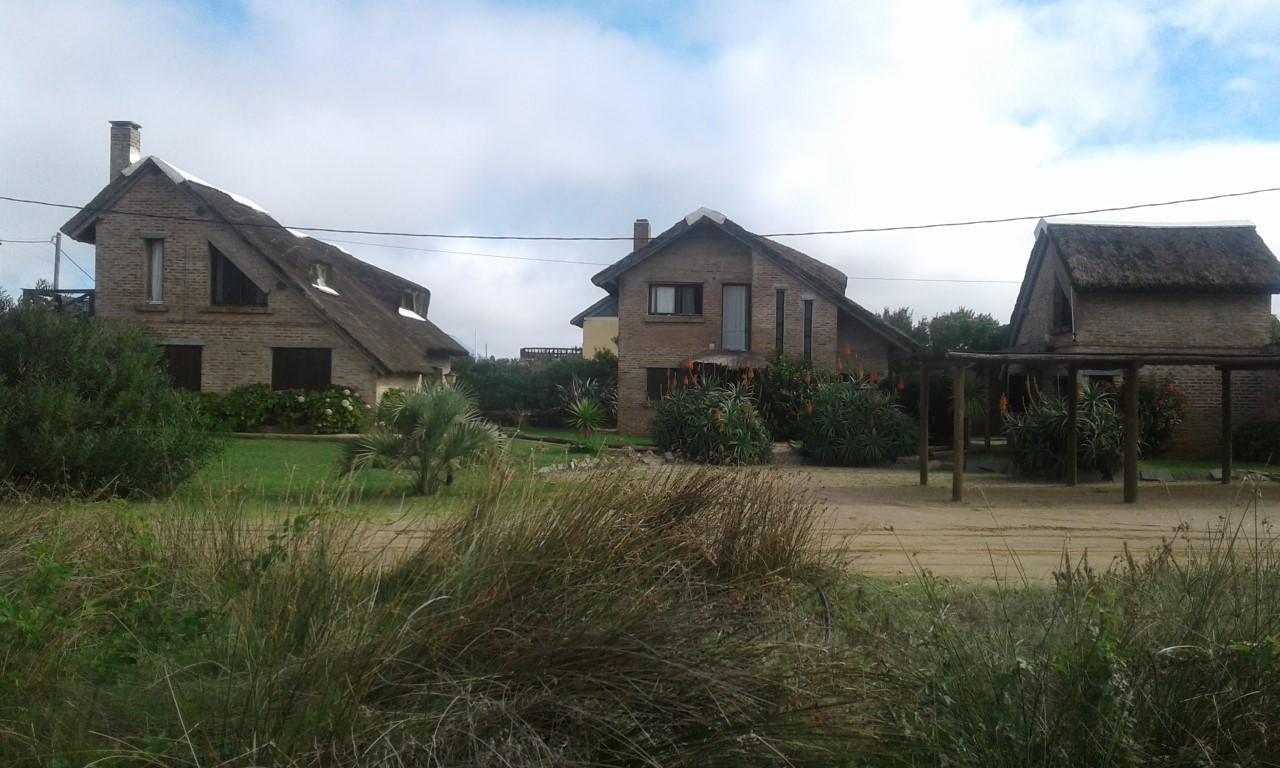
[1202, 258]
[606, 307]
[366, 306]
[824, 278]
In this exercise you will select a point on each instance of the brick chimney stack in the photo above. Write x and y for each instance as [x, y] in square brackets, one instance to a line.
[126, 145]
[640, 235]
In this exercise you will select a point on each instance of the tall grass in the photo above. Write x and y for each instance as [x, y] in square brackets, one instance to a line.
[667, 622]
[684, 619]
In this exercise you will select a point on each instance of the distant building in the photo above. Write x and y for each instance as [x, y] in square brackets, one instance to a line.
[237, 299]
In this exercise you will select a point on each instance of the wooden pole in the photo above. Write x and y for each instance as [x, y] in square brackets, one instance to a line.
[1131, 435]
[924, 425]
[1226, 426]
[991, 395]
[957, 453]
[57, 260]
[1073, 409]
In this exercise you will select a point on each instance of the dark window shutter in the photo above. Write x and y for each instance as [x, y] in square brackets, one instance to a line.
[298, 368]
[183, 363]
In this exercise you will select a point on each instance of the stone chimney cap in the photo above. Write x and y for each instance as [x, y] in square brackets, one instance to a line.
[124, 124]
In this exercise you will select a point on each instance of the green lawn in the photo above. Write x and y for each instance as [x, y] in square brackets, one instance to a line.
[274, 471]
[610, 439]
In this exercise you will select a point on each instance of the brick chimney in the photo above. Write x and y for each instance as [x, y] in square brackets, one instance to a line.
[126, 145]
[640, 234]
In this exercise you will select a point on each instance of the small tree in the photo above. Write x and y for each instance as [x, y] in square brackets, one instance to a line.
[432, 431]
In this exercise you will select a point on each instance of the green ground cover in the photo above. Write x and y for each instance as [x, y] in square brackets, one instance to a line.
[609, 439]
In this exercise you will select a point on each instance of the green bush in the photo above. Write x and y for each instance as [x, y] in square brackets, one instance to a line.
[1038, 436]
[782, 389]
[1160, 409]
[85, 407]
[334, 410]
[520, 392]
[1258, 441]
[712, 423]
[853, 423]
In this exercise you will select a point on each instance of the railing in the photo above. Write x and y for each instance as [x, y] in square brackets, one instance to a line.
[75, 301]
[549, 353]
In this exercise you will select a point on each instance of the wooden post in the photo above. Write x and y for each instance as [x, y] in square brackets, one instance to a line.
[991, 399]
[1073, 408]
[1131, 435]
[924, 425]
[957, 452]
[1226, 426]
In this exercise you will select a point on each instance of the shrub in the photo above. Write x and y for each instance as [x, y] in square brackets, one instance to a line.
[1038, 436]
[712, 423]
[1160, 408]
[520, 391]
[587, 406]
[86, 407]
[1258, 441]
[334, 410]
[853, 423]
[433, 432]
[782, 390]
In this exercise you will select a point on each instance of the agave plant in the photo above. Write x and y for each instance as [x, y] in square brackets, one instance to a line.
[432, 431]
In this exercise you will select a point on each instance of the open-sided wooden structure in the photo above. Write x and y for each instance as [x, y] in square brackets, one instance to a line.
[1129, 363]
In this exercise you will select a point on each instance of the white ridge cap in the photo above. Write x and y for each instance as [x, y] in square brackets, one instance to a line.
[693, 218]
[1078, 222]
[177, 176]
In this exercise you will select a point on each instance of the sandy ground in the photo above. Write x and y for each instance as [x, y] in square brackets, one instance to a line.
[890, 520]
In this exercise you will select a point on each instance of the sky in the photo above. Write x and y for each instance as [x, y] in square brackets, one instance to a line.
[528, 117]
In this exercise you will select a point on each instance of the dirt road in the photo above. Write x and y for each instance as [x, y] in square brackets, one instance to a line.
[891, 519]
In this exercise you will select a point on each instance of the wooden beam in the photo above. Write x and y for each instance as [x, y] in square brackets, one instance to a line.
[924, 425]
[1114, 361]
[1131, 435]
[1226, 426]
[1073, 410]
[991, 399]
[957, 440]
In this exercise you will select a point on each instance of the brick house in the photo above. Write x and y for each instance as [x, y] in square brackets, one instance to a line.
[236, 299]
[1124, 288]
[708, 291]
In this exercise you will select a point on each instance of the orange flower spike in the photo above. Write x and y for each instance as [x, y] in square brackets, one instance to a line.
[875, 378]
[860, 371]
[686, 381]
[902, 385]
[848, 350]
[1004, 404]
[808, 408]
[840, 365]
[688, 364]
[717, 414]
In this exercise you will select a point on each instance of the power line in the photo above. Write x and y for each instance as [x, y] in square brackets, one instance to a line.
[466, 253]
[613, 238]
[66, 256]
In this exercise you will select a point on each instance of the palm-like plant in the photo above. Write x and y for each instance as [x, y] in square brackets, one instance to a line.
[432, 431]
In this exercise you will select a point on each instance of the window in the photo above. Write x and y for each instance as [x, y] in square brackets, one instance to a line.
[660, 381]
[1062, 315]
[228, 285]
[735, 317]
[413, 305]
[320, 277]
[675, 299]
[155, 270]
[779, 316]
[183, 362]
[296, 368]
[808, 329]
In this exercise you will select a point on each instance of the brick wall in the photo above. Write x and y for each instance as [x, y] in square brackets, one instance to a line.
[237, 341]
[712, 259]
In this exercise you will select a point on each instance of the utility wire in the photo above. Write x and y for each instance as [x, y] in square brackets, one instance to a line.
[67, 256]
[612, 238]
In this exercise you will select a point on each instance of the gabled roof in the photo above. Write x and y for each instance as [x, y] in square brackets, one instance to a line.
[1191, 258]
[606, 307]
[364, 301]
[824, 278]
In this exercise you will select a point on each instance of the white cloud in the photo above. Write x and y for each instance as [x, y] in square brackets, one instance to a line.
[475, 117]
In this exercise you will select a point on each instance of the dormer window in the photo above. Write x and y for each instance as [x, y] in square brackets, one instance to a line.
[413, 305]
[320, 278]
